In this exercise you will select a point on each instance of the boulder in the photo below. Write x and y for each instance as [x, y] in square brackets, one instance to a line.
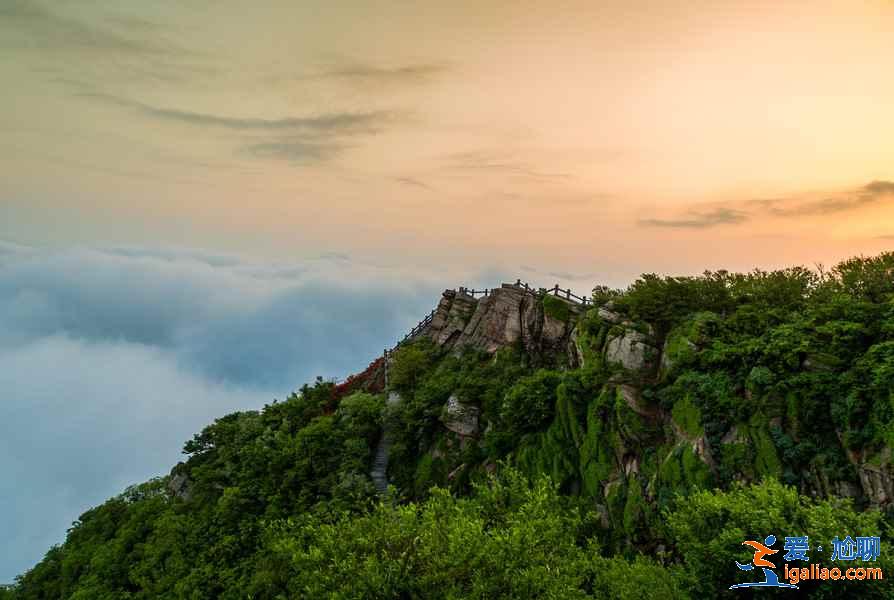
[460, 418]
[609, 316]
[631, 350]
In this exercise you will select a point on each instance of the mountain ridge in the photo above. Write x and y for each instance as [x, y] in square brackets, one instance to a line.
[632, 423]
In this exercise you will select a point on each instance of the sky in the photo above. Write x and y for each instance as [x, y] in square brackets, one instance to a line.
[205, 204]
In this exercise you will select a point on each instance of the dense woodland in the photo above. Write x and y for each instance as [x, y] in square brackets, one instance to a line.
[774, 396]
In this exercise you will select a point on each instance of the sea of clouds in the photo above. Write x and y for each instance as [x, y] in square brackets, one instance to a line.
[111, 358]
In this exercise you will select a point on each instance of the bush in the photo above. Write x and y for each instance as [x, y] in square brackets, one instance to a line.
[531, 402]
[556, 308]
[408, 365]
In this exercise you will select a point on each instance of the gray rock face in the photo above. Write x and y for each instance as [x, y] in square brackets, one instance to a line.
[451, 317]
[609, 316]
[876, 483]
[875, 476]
[497, 320]
[460, 418]
[574, 350]
[553, 330]
[846, 489]
[506, 316]
[179, 483]
[631, 350]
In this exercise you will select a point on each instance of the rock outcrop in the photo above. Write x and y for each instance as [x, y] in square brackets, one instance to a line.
[460, 418]
[179, 484]
[632, 350]
[506, 316]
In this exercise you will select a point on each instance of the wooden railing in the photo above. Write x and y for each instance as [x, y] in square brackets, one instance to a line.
[565, 294]
[416, 330]
[473, 292]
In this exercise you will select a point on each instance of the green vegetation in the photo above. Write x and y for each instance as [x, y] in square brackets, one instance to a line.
[556, 308]
[775, 390]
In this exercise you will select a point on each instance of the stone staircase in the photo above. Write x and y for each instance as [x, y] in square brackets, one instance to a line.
[379, 472]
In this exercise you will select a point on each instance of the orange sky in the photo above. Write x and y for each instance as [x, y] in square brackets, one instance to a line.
[597, 139]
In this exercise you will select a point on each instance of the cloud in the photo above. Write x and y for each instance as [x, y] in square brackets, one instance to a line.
[792, 206]
[411, 181]
[223, 316]
[111, 358]
[477, 162]
[326, 124]
[295, 151]
[866, 195]
[368, 74]
[81, 421]
[314, 138]
[30, 24]
[700, 220]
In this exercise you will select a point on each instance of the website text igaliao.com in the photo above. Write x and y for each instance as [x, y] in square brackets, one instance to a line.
[816, 572]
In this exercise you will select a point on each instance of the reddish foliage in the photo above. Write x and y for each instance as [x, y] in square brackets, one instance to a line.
[353, 382]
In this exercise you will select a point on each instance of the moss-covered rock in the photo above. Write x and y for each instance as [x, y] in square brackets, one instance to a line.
[556, 308]
[688, 417]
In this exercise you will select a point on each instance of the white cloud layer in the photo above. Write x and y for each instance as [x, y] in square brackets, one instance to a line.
[110, 359]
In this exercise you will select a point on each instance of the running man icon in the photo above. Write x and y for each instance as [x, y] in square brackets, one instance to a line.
[760, 551]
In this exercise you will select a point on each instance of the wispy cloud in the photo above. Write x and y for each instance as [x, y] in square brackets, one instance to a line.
[295, 151]
[700, 220]
[866, 195]
[357, 72]
[30, 24]
[342, 122]
[314, 138]
[478, 162]
[790, 206]
[412, 181]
